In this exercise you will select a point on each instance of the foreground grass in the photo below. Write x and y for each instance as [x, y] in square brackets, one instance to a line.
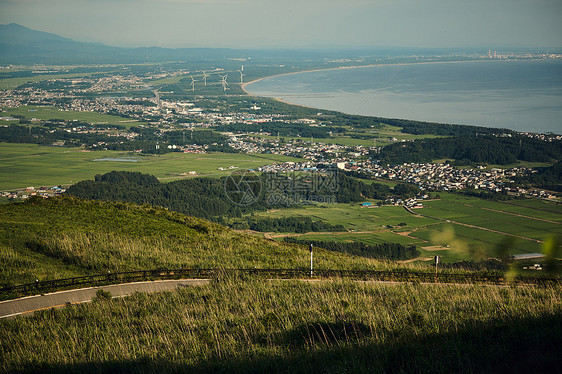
[248, 325]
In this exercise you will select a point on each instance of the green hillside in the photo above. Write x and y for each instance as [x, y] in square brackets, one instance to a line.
[65, 237]
[257, 326]
[246, 323]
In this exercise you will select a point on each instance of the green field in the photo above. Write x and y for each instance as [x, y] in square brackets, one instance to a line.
[11, 83]
[47, 113]
[24, 165]
[353, 216]
[382, 137]
[475, 226]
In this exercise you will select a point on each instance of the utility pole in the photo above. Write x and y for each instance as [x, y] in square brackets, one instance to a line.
[436, 260]
[311, 268]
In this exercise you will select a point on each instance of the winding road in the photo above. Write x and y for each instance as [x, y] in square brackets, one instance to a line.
[30, 304]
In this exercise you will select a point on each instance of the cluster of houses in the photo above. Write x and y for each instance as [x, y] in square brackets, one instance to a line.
[543, 137]
[302, 148]
[32, 191]
[442, 177]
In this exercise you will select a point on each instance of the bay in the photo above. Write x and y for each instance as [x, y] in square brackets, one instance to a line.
[524, 95]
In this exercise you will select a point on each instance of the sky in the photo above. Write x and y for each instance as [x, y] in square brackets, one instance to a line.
[295, 23]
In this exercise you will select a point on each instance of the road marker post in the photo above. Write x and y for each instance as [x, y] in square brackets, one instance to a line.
[311, 268]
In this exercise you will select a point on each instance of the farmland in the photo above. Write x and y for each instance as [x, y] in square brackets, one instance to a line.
[23, 165]
[455, 227]
[46, 113]
[11, 83]
[381, 136]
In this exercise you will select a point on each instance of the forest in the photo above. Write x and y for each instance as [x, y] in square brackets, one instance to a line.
[549, 178]
[387, 251]
[476, 149]
[299, 225]
[211, 198]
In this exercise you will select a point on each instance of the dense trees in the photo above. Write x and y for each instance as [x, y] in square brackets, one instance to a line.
[390, 251]
[548, 178]
[475, 149]
[292, 224]
[41, 135]
[215, 199]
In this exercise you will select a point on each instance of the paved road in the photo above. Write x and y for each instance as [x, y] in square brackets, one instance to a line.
[30, 304]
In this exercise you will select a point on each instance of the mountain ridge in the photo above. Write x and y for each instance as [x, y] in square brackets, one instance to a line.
[22, 45]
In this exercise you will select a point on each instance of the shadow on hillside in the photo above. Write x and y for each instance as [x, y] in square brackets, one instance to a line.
[516, 346]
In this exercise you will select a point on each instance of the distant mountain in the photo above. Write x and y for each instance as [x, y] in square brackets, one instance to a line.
[21, 45]
[14, 34]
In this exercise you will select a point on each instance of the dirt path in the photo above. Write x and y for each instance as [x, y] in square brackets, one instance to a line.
[478, 227]
[521, 215]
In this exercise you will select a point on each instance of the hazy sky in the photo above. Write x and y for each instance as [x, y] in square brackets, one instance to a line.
[294, 23]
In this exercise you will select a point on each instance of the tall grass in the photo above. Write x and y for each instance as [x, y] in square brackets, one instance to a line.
[69, 237]
[251, 325]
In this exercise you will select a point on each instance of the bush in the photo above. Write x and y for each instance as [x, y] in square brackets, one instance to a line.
[102, 295]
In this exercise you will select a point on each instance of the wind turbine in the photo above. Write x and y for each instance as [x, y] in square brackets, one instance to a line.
[223, 81]
[205, 75]
[241, 71]
[192, 83]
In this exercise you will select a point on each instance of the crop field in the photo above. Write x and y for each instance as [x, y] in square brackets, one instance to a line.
[353, 216]
[526, 221]
[455, 227]
[11, 83]
[341, 140]
[381, 137]
[24, 165]
[47, 113]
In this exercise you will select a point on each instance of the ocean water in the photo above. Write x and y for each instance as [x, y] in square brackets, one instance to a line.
[518, 95]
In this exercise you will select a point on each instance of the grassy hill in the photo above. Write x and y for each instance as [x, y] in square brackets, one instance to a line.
[247, 324]
[65, 237]
[253, 326]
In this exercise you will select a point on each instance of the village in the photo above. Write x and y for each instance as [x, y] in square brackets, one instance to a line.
[152, 112]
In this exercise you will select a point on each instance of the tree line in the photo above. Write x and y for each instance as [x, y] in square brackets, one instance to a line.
[292, 224]
[218, 198]
[386, 251]
[500, 150]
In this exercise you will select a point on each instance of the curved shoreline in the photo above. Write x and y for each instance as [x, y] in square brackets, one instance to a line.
[243, 86]
[480, 122]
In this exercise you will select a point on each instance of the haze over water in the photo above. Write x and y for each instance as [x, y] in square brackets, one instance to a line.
[518, 95]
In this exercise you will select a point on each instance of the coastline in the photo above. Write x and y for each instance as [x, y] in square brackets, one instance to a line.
[243, 86]
[475, 120]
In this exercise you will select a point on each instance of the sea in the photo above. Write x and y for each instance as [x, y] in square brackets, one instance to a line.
[521, 95]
